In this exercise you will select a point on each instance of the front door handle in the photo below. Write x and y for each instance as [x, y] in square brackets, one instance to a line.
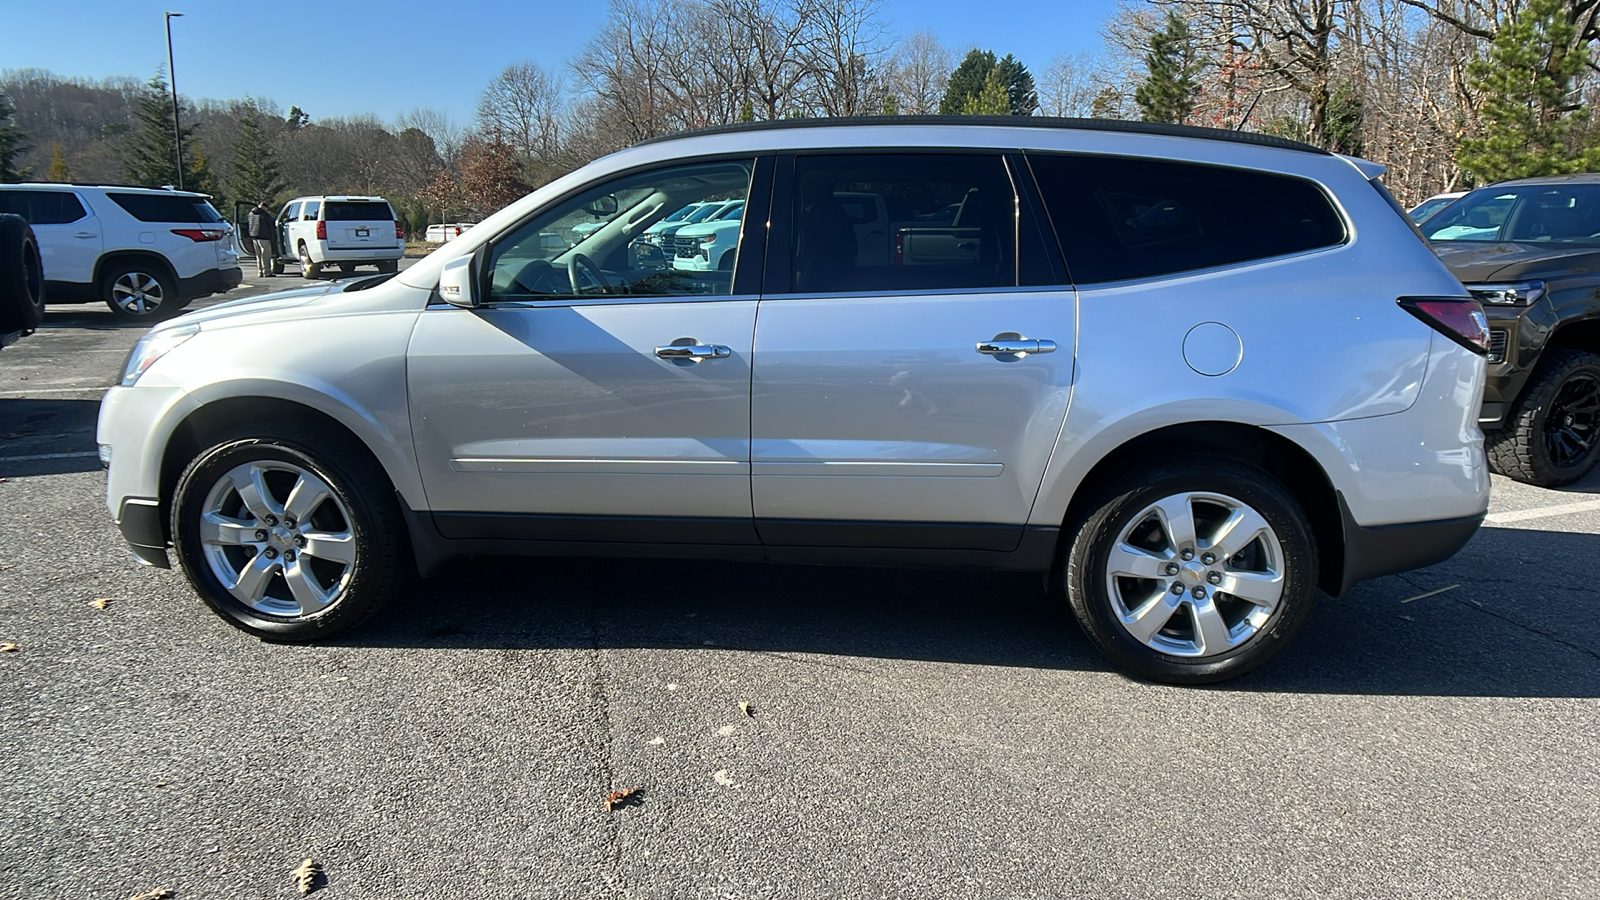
[998, 347]
[693, 352]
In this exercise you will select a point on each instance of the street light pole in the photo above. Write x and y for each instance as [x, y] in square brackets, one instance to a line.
[177, 132]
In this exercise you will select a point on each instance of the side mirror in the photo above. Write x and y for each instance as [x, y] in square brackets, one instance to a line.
[600, 207]
[458, 282]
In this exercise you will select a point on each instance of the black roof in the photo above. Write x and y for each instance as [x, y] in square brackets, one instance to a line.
[1158, 128]
[1580, 178]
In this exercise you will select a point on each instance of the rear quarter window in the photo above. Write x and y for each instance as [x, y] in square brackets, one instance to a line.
[1120, 219]
[166, 208]
[42, 207]
[355, 211]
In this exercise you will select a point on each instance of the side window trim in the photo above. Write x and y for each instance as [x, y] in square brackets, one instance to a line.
[1031, 214]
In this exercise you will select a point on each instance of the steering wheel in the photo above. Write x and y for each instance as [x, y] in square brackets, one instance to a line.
[535, 277]
[578, 261]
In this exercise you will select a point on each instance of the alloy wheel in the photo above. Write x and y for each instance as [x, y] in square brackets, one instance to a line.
[1195, 575]
[1569, 426]
[137, 293]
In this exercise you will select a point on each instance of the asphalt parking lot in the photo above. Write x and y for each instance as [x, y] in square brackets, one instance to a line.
[911, 733]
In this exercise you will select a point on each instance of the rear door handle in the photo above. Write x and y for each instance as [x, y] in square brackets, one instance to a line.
[87, 234]
[1015, 347]
[694, 352]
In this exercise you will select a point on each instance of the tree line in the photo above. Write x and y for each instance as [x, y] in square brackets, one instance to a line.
[1448, 93]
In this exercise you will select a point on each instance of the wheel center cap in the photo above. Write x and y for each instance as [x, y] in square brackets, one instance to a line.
[1192, 574]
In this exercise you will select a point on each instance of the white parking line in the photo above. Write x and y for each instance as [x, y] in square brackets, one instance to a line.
[1522, 515]
[38, 456]
[22, 395]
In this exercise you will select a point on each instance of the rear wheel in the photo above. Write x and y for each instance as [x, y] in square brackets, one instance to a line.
[291, 534]
[21, 275]
[1552, 437]
[1193, 572]
[308, 268]
[140, 290]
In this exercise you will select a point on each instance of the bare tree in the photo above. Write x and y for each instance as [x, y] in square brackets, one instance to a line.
[918, 72]
[844, 57]
[523, 104]
[447, 136]
[1067, 86]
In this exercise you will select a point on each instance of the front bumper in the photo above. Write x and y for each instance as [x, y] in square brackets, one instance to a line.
[139, 520]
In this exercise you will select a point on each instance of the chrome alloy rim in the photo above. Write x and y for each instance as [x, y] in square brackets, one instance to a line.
[278, 539]
[137, 293]
[1195, 574]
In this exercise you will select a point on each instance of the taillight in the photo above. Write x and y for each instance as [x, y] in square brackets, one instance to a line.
[322, 231]
[398, 231]
[1457, 318]
[200, 235]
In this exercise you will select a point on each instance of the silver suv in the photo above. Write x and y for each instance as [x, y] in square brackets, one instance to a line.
[1192, 375]
[146, 252]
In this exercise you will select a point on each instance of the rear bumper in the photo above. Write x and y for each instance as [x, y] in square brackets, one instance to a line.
[362, 254]
[1391, 549]
[211, 281]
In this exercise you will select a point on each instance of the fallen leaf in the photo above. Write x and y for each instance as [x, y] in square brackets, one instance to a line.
[656, 741]
[747, 709]
[160, 893]
[100, 602]
[305, 877]
[622, 798]
[8, 647]
[722, 777]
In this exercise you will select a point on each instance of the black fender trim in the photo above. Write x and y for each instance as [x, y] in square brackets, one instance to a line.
[139, 520]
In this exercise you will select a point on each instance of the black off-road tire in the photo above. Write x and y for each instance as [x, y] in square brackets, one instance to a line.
[1520, 448]
[21, 276]
[357, 483]
[1092, 534]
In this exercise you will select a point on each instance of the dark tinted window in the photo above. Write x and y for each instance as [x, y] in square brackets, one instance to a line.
[42, 207]
[881, 222]
[166, 208]
[312, 208]
[1138, 218]
[357, 211]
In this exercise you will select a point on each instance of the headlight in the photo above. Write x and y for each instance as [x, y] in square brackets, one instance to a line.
[152, 347]
[1521, 293]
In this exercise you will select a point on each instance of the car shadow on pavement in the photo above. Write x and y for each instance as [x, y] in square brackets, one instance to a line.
[87, 317]
[60, 431]
[1522, 621]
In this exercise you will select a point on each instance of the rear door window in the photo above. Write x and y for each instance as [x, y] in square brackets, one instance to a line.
[357, 211]
[902, 222]
[311, 210]
[167, 208]
[1120, 218]
[42, 207]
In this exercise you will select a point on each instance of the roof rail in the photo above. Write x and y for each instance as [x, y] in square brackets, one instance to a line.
[1156, 128]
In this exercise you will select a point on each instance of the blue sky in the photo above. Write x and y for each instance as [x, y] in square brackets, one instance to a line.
[343, 57]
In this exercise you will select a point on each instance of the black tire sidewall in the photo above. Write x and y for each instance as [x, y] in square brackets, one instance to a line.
[21, 275]
[1580, 363]
[169, 291]
[1090, 599]
[361, 596]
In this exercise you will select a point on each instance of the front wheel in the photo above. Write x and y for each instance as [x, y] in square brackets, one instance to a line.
[292, 535]
[1192, 573]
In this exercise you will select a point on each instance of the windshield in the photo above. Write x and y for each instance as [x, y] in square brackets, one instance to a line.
[1533, 213]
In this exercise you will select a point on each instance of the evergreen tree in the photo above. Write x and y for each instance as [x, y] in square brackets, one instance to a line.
[147, 155]
[1170, 89]
[992, 100]
[59, 170]
[1528, 114]
[1107, 104]
[297, 117]
[13, 143]
[970, 79]
[255, 173]
[1345, 118]
[200, 178]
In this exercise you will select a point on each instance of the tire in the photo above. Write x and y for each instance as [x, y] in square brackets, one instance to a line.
[139, 291]
[277, 266]
[1203, 634]
[1552, 436]
[308, 268]
[21, 276]
[350, 529]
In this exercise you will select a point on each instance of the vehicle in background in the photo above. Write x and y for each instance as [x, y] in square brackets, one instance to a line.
[344, 230]
[658, 249]
[711, 244]
[1187, 435]
[440, 233]
[1422, 211]
[145, 252]
[1529, 250]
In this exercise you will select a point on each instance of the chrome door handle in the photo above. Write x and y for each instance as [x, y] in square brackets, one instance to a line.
[1015, 348]
[694, 352]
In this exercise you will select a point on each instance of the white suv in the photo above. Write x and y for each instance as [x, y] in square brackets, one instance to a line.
[146, 252]
[345, 231]
[1190, 375]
